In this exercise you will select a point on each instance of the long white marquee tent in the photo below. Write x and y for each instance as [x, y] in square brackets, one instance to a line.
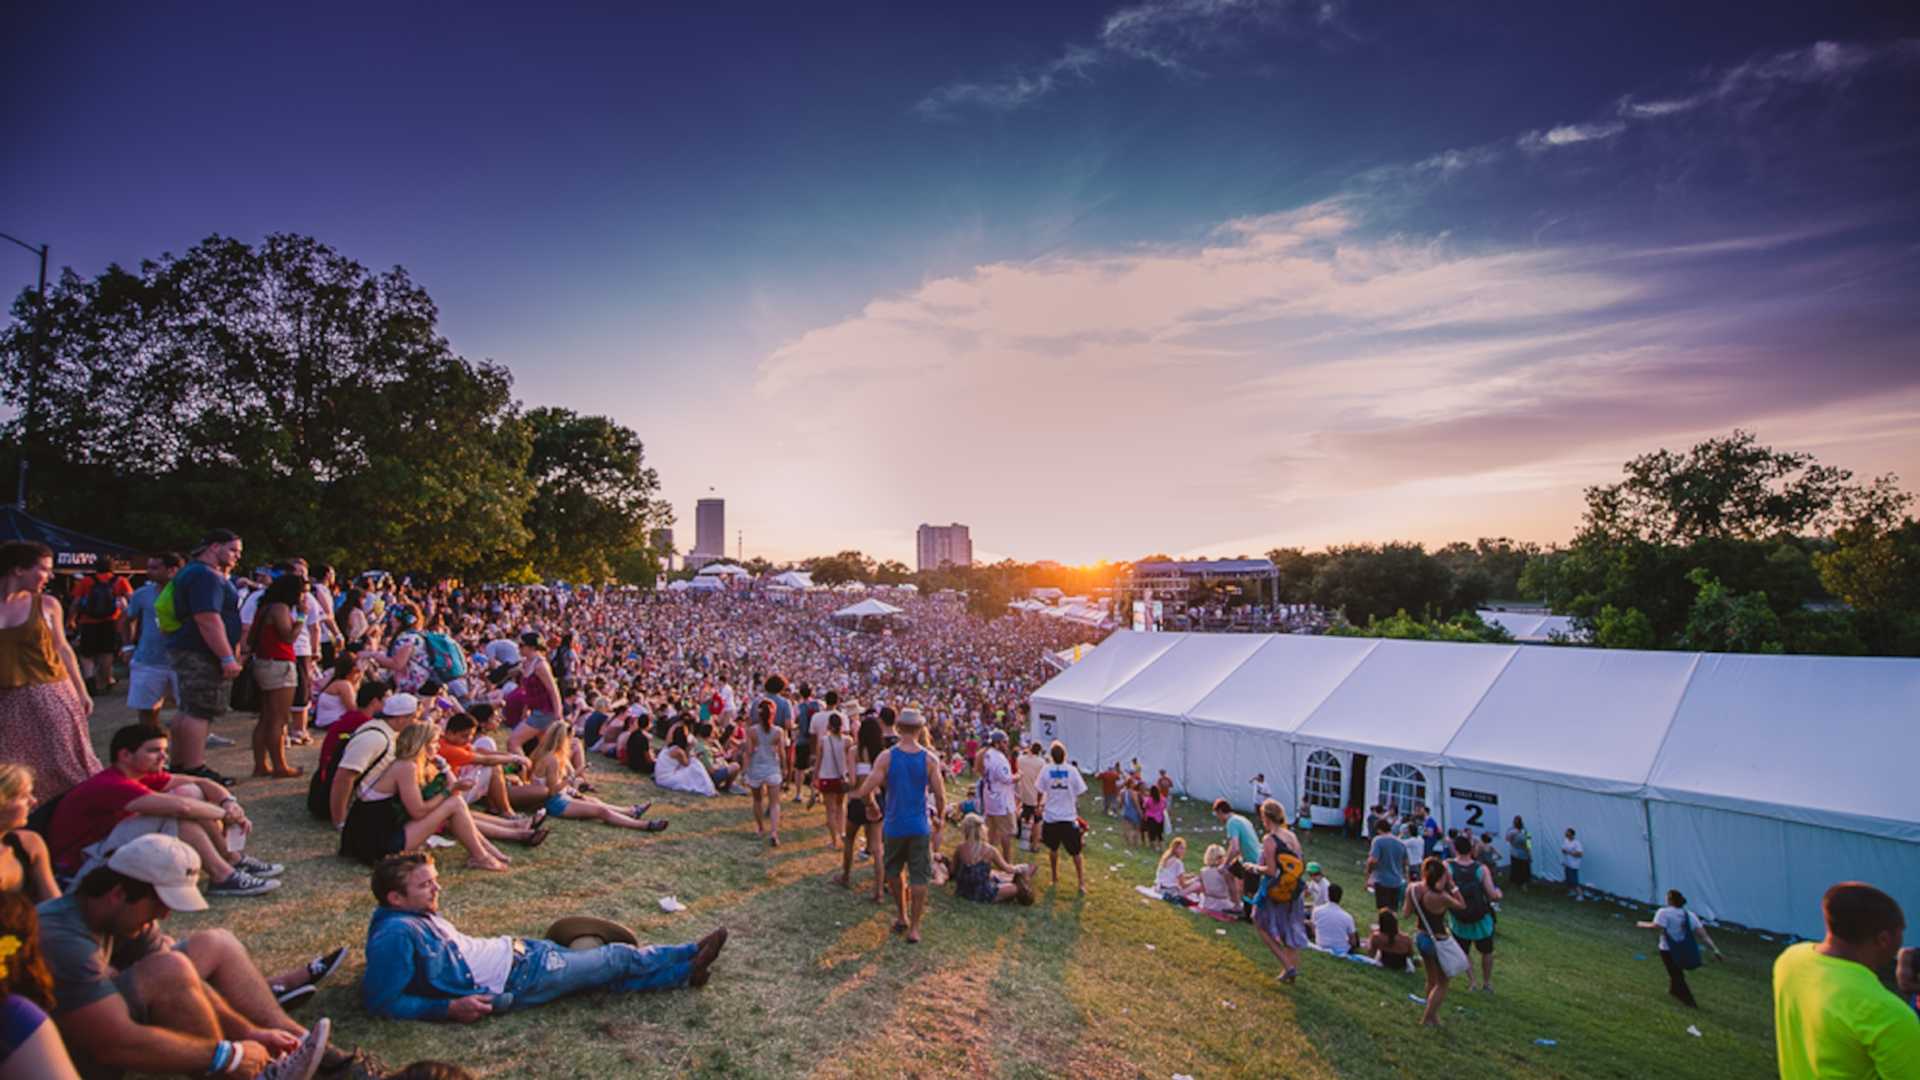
[1750, 783]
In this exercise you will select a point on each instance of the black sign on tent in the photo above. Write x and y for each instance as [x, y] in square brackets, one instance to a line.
[73, 552]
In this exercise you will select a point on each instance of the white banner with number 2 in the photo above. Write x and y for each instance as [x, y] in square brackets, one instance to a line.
[1468, 808]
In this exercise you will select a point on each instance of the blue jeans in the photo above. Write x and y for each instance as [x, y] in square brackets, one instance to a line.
[549, 972]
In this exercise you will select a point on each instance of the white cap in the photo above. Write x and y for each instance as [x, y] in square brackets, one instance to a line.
[400, 705]
[170, 866]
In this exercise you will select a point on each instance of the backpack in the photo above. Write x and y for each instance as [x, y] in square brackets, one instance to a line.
[100, 602]
[1684, 949]
[1282, 887]
[320, 788]
[164, 614]
[1478, 906]
[444, 657]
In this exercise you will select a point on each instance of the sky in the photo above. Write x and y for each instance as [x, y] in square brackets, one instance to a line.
[1191, 276]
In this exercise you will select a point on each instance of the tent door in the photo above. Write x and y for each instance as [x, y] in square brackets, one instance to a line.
[1357, 785]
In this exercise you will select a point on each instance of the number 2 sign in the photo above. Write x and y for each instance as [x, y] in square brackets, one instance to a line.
[1476, 810]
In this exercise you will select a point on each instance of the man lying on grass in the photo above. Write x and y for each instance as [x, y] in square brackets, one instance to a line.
[419, 967]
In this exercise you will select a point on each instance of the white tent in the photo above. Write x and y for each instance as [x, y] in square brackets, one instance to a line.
[867, 608]
[704, 584]
[723, 570]
[1533, 627]
[1748, 782]
[678, 586]
[792, 579]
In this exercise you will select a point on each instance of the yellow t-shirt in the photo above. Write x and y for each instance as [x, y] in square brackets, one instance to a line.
[1833, 1020]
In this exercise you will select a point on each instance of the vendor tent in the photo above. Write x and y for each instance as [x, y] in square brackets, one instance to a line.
[866, 609]
[74, 552]
[704, 584]
[1748, 782]
[723, 570]
[792, 579]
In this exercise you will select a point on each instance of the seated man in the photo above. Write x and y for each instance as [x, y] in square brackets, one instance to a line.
[127, 997]
[420, 968]
[133, 796]
[472, 756]
[1333, 928]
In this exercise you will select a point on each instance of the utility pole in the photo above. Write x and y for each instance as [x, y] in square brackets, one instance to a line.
[31, 433]
[740, 546]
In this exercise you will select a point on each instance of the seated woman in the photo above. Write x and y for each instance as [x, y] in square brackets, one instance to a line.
[1172, 879]
[25, 866]
[677, 769]
[339, 696]
[391, 813]
[981, 874]
[1216, 884]
[553, 775]
[1388, 945]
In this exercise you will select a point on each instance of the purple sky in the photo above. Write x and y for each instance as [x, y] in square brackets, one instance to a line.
[1197, 276]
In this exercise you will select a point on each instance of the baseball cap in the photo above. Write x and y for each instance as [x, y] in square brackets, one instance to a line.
[1313, 868]
[909, 718]
[165, 863]
[400, 705]
[997, 736]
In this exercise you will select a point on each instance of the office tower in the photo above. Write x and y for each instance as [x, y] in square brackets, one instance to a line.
[944, 545]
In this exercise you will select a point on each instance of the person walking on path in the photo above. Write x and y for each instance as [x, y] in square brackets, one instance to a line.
[44, 703]
[1681, 933]
[766, 770]
[1831, 1014]
[1386, 866]
[909, 772]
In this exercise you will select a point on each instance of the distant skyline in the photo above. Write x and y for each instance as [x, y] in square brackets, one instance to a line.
[1204, 277]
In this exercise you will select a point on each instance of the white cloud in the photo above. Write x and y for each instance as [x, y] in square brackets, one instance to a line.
[1012, 91]
[1534, 142]
[1649, 110]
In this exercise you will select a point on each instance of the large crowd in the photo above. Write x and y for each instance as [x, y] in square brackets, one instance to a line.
[476, 718]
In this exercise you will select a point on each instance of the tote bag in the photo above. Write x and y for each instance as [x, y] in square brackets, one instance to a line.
[1453, 958]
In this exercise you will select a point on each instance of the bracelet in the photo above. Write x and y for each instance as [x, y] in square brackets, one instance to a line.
[223, 1054]
[226, 659]
[227, 800]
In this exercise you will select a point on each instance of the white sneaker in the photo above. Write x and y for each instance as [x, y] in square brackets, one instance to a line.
[304, 1060]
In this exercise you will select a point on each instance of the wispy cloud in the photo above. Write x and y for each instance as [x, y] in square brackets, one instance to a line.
[1534, 142]
[1176, 35]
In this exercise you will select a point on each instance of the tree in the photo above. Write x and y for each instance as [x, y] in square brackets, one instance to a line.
[1367, 581]
[1722, 621]
[839, 569]
[1613, 628]
[1296, 569]
[1729, 488]
[892, 572]
[593, 497]
[1466, 626]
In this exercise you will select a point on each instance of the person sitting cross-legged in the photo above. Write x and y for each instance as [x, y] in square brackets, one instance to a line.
[419, 967]
[127, 997]
[134, 796]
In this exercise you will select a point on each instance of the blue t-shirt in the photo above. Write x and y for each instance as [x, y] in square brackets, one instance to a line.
[1239, 828]
[1390, 862]
[152, 649]
[197, 588]
[906, 810]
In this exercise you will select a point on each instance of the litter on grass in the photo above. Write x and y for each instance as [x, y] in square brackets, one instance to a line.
[1639, 956]
[1416, 999]
[1694, 1031]
[1150, 947]
[671, 904]
[1545, 1042]
[1222, 933]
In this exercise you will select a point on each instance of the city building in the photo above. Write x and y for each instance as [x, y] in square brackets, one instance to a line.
[944, 545]
[709, 531]
[662, 544]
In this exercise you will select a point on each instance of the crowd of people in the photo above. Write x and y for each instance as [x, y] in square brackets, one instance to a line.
[476, 718]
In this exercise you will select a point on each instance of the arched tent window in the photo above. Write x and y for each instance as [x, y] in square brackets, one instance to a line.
[1403, 786]
[1323, 779]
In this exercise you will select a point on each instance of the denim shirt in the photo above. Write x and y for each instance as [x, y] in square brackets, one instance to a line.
[413, 971]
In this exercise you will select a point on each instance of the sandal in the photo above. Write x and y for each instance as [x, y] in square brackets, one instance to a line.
[656, 825]
[538, 819]
[538, 837]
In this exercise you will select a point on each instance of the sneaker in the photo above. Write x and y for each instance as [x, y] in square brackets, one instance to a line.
[290, 998]
[241, 883]
[259, 868]
[304, 1060]
[217, 740]
[326, 964]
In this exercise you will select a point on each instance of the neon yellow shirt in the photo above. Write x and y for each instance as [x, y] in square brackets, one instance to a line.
[1833, 1020]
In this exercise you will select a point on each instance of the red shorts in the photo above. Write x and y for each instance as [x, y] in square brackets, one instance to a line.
[831, 787]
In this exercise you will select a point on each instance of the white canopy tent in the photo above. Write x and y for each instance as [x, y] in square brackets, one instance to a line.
[792, 579]
[1533, 627]
[1748, 782]
[723, 570]
[866, 609]
[703, 584]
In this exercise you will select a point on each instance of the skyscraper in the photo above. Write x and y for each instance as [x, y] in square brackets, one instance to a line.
[944, 545]
[709, 530]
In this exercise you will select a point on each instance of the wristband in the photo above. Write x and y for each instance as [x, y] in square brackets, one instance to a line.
[227, 800]
[226, 660]
[223, 1054]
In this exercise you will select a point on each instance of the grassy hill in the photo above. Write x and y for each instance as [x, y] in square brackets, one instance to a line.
[813, 984]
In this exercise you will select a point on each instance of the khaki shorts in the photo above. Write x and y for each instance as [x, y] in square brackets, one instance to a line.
[275, 674]
[1000, 825]
[915, 853]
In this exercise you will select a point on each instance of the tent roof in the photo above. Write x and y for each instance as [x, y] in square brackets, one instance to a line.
[793, 579]
[1103, 670]
[1824, 740]
[1591, 718]
[71, 549]
[865, 608]
[1178, 678]
[726, 569]
[1408, 697]
[1531, 626]
[1280, 686]
[704, 584]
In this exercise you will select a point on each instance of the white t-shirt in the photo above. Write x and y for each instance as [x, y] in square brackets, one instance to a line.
[1031, 766]
[998, 786]
[817, 727]
[1668, 919]
[1416, 854]
[323, 600]
[1333, 929]
[1571, 853]
[1261, 793]
[1316, 892]
[1062, 786]
[1170, 871]
[490, 959]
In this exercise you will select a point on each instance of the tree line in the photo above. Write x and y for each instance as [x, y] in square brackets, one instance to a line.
[287, 392]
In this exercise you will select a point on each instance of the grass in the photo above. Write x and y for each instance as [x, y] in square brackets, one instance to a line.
[812, 983]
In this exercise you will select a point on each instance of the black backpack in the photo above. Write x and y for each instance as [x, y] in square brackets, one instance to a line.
[320, 788]
[100, 602]
[1467, 880]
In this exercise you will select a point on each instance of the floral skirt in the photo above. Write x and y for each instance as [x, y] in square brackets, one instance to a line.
[44, 727]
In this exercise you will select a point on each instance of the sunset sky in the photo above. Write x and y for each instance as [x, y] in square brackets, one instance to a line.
[1195, 276]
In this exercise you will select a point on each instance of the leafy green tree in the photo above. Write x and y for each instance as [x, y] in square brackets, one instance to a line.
[594, 497]
[1729, 488]
[839, 569]
[1723, 621]
[1296, 568]
[1465, 626]
[1613, 628]
[892, 572]
[1369, 581]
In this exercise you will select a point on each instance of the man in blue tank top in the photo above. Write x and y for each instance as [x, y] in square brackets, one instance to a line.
[908, 771]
